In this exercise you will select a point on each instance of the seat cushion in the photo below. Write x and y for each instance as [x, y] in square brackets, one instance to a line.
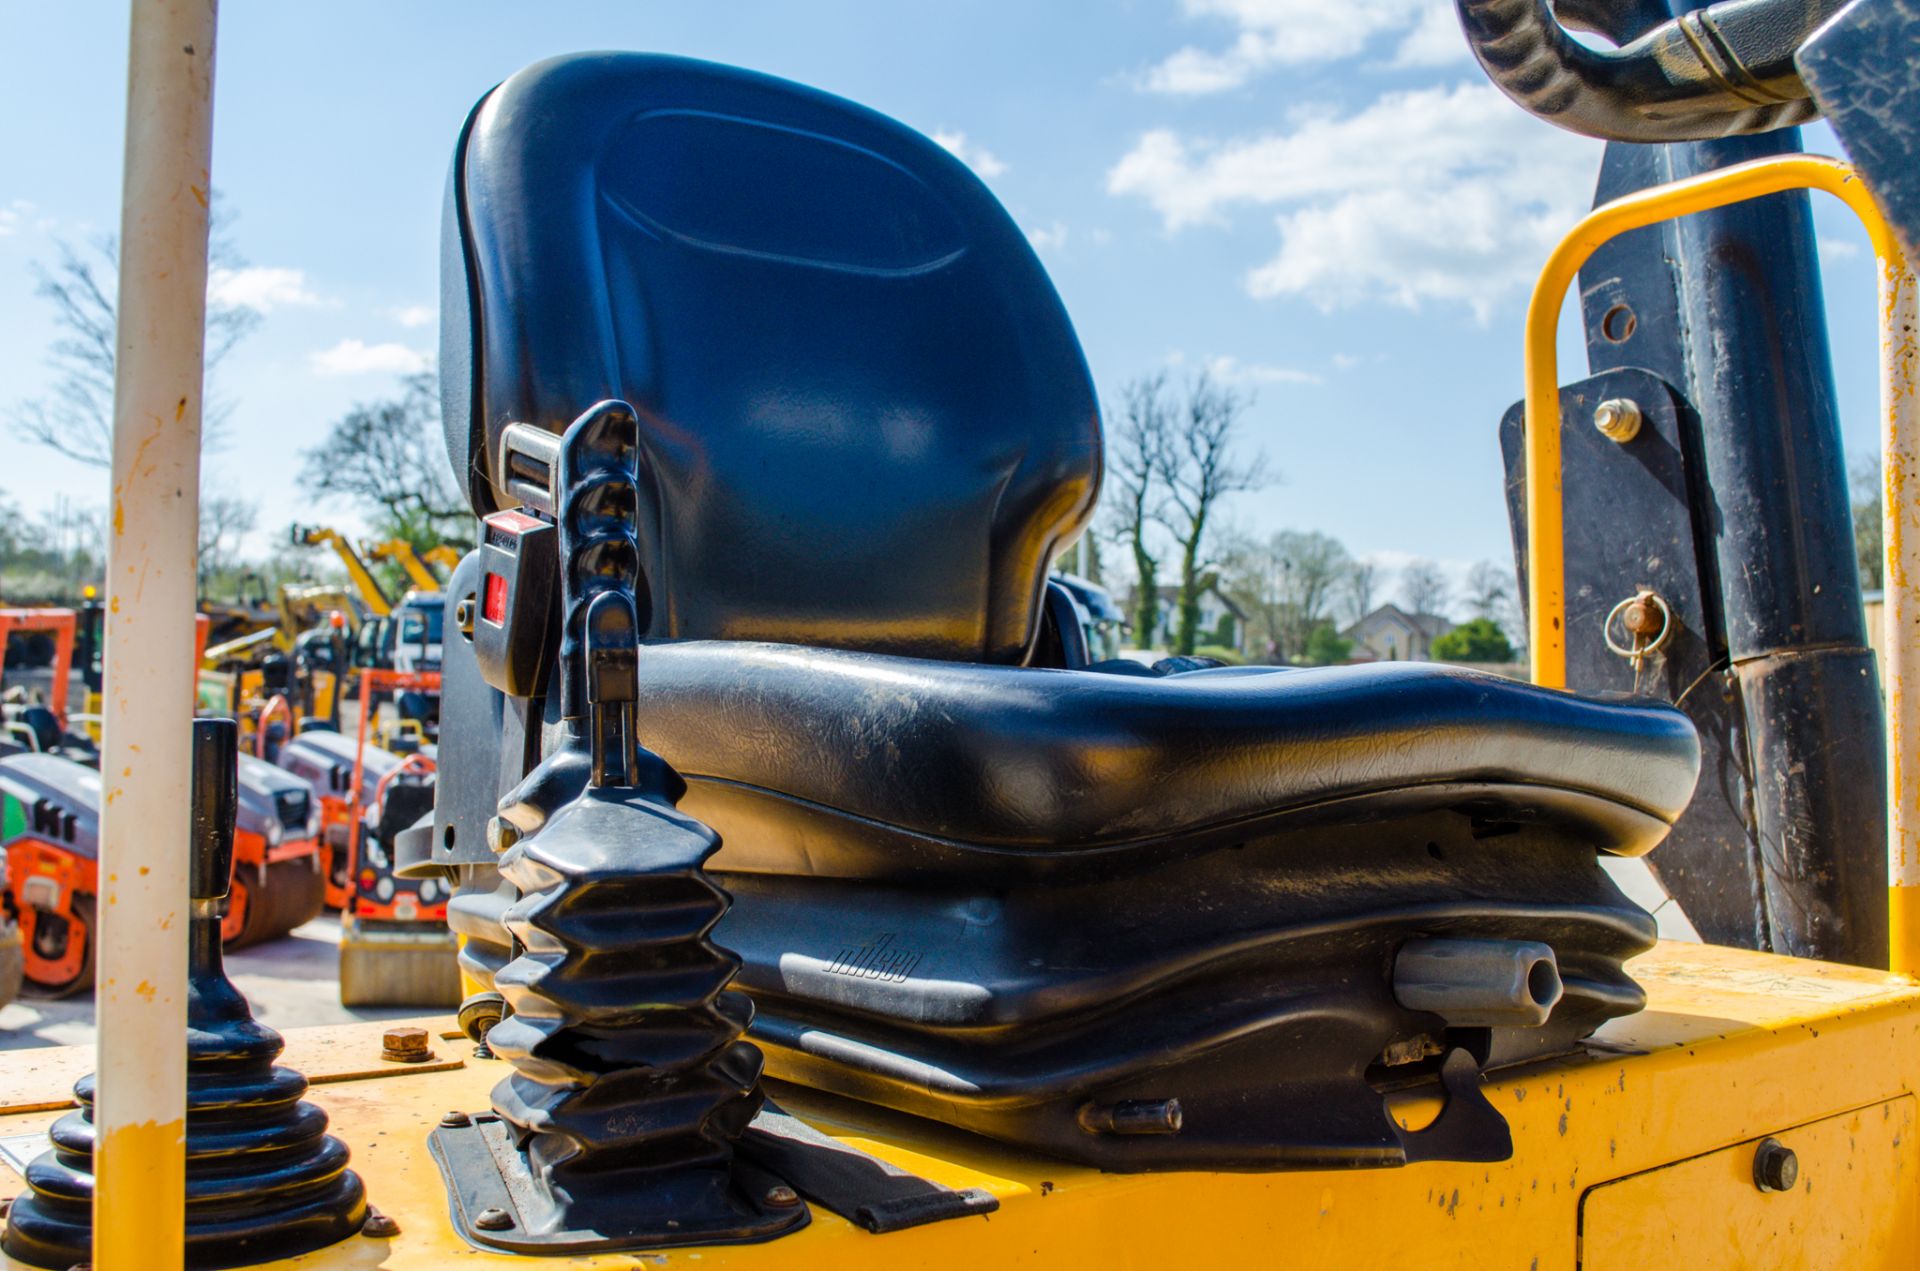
[850, 764]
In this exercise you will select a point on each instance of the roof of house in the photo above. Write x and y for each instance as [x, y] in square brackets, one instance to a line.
[1430, 625]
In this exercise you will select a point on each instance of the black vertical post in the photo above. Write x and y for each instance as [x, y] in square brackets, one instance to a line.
[1727, 306]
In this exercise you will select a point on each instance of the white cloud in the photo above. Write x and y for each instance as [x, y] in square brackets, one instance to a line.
[1837, 248]
[1446, 194]
[1046, 238]
[1275, 33]
[1230, 368]
[1436, 38]
[262, 289]
[979, 158]
[356, 357]
[12, 215]
[412, 316]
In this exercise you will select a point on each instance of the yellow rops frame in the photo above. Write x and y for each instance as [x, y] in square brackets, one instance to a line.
[1900, 417]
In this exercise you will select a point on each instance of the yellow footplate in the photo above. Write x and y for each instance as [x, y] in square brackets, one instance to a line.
[1639, 1154]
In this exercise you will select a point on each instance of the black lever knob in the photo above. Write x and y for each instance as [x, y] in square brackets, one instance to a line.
[216, 801]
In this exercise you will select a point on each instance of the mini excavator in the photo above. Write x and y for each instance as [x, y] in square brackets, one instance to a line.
[823, 901]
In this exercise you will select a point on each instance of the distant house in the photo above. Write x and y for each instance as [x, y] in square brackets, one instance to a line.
[1214, 607]
[1391, 634]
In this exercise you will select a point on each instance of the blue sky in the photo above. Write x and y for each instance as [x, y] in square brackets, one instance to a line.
[1323, 201]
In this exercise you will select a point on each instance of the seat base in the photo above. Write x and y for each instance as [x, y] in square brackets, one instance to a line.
[1251, 982]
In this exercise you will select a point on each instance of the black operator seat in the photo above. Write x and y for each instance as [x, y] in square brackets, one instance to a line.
[968, 885]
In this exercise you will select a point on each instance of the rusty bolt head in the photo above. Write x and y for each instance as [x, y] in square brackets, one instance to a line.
[780, 1196]
[405, 1046]
[378, 1226]
[493, 1218]
[1618, 419]
[455, 1120]
[1643, 618]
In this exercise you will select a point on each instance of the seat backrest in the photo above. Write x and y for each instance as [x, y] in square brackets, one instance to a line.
[865, 419]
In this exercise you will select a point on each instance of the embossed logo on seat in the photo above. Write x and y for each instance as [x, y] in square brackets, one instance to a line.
[877, 959]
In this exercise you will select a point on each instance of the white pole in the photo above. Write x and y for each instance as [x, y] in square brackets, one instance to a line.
[1900, 613]
[140, 1166]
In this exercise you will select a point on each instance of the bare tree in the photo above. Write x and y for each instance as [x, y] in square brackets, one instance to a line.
[386, 457]
[76, 418]
[1490, 589]
[1363, 579]
[1424, 587]
[1136, 457]
[1287, 585]
[1200, 467]
[225, 522]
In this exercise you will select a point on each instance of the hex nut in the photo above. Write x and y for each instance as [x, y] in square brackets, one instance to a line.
[1776, 1167]
[378, 1226]
[780, 1196]
[1618, 419]
[405, 1046]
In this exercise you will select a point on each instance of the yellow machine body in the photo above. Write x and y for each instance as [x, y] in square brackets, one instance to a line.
[1637, 1154]
[398, 968]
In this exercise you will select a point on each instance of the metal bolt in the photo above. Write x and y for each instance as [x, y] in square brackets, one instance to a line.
[1618, 419]
[493, 1218]
[1133, 1116]
[1643, 617]
[378, 1226]
[463, 616]
[502, 834]
[780, 1196]
[455, 1120]
[1775, 1167]
[405, 1046]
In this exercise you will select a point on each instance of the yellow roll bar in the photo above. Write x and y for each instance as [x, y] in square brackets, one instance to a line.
[1900, 410]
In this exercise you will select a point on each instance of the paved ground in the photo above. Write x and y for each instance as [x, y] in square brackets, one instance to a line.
[292, 982]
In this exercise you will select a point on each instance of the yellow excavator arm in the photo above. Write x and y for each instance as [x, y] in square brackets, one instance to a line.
[399, 549]
[363, 579]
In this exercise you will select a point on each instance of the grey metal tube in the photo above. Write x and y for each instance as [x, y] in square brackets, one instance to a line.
[1478, 983]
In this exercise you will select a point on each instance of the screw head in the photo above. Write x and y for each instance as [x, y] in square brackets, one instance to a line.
[1776, 1168]
[405, 1046]
[455, 1120]
[1618, 419]
[780, 1196]
[493, 1218]
[378, 1226]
